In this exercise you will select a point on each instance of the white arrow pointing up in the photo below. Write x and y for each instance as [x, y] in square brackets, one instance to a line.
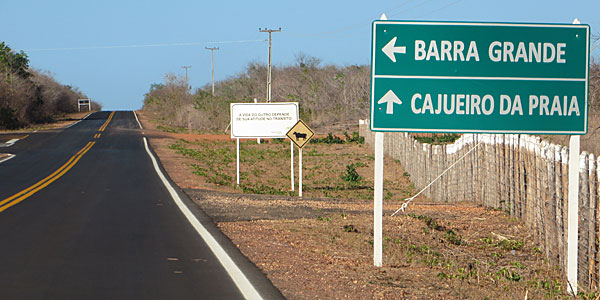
[391, 48]
[390, 98]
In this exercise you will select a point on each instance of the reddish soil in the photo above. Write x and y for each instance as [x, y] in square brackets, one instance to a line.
[321, 247]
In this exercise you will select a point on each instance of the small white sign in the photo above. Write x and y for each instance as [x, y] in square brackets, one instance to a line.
[263, 120]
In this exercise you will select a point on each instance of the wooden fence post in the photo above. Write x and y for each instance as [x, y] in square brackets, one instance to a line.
[551, 232]
[592, 235]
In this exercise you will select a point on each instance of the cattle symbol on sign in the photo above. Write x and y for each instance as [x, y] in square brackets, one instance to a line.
[300, 134]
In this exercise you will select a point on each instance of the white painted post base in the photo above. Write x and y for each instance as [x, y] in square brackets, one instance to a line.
[573, 213]
[378, 201]
[237, 143]
[300, 173]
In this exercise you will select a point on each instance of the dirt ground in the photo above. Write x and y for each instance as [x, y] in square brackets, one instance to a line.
[66, 120]
[320, 246]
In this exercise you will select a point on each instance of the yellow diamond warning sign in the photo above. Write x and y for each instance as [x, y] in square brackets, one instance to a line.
[300, 134]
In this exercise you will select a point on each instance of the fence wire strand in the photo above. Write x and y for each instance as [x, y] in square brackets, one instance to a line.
[409, 200]
[519, 174]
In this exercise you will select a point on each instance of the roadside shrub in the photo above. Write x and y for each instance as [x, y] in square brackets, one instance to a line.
[435, 139]
[351, 175]
[327, 95]
[29, 96]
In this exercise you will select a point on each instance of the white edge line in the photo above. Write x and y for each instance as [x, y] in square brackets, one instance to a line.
[7, 158]
[138, 120]
[78, 121]
[238, 277]
[10, 142]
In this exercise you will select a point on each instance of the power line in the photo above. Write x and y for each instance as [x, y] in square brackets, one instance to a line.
[390, 12]
[411, 8]
[144, 45]
[396, 10]
[441, 8]
[595, 46]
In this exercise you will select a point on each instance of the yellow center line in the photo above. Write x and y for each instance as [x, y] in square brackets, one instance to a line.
[107, 121]
[89, 144]
[26, 193]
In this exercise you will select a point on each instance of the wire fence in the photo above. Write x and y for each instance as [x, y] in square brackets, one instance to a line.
[520, 174]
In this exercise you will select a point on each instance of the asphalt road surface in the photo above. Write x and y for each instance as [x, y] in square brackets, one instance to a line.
[85, 215]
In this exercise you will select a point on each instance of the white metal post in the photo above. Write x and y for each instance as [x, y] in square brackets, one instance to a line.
[378, 201]
[237, 141]
[292, 164]
[573, 209]
[300, 173]
[378, 196]
[573, 213]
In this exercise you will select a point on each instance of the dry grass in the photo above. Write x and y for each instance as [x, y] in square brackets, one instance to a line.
[328, 96]
[321, 248]
[435, 252]
[329, 171]
[589, 142]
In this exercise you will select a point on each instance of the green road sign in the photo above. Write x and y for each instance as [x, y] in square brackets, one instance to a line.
[479, 77]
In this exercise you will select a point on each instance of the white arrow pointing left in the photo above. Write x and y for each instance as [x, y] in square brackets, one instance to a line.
[390, 98]
[391, 48]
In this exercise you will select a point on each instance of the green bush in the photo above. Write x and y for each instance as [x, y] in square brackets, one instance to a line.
[351, 175]
[436, 139]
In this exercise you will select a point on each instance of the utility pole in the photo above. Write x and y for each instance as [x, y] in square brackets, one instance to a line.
[187, 85]
[269, 67]
[212, 61]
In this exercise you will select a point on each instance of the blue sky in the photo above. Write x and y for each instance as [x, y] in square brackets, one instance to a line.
[102, 46]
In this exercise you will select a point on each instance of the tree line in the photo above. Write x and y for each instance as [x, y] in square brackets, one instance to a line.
[326, 95]
[29, 96]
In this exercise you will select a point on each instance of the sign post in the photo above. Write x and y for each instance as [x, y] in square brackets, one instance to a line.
[84, 102]
[261, 120]
[300, 134]
[460, 77]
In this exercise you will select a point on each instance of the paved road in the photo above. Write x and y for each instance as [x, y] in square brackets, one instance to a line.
[84, 215]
